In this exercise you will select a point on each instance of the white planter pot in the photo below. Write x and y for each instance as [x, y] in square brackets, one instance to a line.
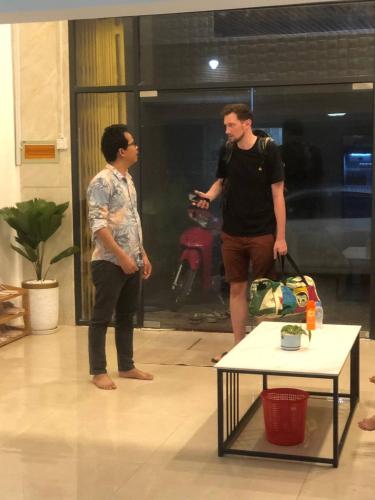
[44, 305]
[290, 342]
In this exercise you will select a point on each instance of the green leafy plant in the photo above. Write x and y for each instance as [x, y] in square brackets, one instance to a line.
[35, 221]
[295, 330]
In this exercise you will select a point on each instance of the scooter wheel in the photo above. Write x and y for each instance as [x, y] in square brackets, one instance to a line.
[182, 286]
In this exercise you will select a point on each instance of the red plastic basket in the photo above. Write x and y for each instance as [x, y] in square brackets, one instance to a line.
[285, 415]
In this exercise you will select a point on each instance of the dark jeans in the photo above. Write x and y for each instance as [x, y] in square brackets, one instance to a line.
[114, 291]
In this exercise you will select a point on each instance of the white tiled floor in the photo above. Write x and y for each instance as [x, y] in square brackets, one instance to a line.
[61, 438]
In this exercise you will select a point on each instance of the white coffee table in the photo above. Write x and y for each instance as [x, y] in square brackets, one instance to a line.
[260, 354]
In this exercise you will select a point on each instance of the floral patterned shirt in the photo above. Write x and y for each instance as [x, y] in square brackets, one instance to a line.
[112, 203]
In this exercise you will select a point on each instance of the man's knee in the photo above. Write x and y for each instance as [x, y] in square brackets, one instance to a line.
[238, 289]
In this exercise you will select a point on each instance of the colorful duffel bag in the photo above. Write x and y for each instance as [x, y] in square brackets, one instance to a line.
[289, 295]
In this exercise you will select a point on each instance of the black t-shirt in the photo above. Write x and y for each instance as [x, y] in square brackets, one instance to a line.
[247, 194]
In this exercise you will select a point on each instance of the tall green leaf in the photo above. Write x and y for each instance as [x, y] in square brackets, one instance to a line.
[21, 252]
[35, 221]
[65, 253]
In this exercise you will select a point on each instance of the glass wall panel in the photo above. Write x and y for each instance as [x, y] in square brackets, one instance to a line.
[326, 134]
[299, 44]
[181, 135]
[104, 52]
[94, 113]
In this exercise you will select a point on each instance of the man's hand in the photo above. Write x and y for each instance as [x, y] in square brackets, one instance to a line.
[127, 264]
[147, 267]
[279, 248]
[202, 203]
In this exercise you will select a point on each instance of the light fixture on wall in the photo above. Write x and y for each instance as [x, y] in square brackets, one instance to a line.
[336, 114]
[213, 63]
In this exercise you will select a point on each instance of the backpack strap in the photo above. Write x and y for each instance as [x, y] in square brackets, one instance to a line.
[262, 144]
[228, 152]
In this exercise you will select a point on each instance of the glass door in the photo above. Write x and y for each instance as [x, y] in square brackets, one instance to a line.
[181, 133]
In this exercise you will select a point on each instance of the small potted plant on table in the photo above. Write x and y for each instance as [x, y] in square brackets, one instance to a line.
[291, 337]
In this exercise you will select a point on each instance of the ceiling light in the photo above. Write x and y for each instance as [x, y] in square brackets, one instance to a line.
[336, 114]
[213, 63]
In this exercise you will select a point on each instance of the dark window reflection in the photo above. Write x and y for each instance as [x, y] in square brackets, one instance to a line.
[328, 165]
[325, 134]
[300, 43]
[303, 160]
[327, 203]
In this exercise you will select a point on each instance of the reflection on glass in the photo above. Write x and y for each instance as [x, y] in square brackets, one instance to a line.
[94, 113]
[103, 51]
[328, 172]
[328, 169]
[303, 160]
[295, 43]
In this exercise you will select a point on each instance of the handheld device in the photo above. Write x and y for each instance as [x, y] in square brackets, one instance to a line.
[194, 198]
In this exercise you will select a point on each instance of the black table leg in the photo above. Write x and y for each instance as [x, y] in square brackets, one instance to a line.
[335, 429]
[220, 409]
[354, 374]
[265, 382]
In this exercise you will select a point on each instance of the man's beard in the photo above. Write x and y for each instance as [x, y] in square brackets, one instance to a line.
[238, 139]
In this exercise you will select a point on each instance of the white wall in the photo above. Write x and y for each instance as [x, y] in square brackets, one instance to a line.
[44, 10]
[9, 173]
[41, 54]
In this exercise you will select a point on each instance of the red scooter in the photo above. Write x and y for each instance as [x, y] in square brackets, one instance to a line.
[196, 256]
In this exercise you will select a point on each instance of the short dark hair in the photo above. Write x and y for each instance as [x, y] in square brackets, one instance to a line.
[112, 140]
[241, 110]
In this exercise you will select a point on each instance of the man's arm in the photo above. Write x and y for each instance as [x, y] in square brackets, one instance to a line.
[214, 191]
[280, 246]
[126, 262]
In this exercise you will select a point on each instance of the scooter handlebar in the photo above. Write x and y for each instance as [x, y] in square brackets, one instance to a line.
[204, 218]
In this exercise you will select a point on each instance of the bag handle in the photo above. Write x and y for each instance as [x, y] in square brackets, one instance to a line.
[294, 266]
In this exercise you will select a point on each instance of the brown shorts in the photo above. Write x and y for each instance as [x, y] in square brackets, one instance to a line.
[239, 251]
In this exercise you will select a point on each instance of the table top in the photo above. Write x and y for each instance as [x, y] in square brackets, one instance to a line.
[260, 351]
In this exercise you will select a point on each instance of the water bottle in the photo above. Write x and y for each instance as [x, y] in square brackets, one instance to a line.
[318, 315]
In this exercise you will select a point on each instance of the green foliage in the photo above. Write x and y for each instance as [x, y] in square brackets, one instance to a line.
[35, 221]
[295, 330]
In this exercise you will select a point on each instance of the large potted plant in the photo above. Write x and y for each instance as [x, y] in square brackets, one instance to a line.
[35, 221]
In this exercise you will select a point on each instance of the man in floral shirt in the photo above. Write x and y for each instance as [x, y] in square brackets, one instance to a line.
[119, 259]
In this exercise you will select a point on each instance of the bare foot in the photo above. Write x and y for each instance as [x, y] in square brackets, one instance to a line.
[372, 379]
[102, 381]
[135, 373]
[367, 424]
[217, 358]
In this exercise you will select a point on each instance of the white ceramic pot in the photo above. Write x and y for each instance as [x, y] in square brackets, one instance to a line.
[290, 342]
[44, 305]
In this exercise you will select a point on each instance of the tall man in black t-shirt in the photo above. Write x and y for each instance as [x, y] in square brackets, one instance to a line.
[252, 185]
